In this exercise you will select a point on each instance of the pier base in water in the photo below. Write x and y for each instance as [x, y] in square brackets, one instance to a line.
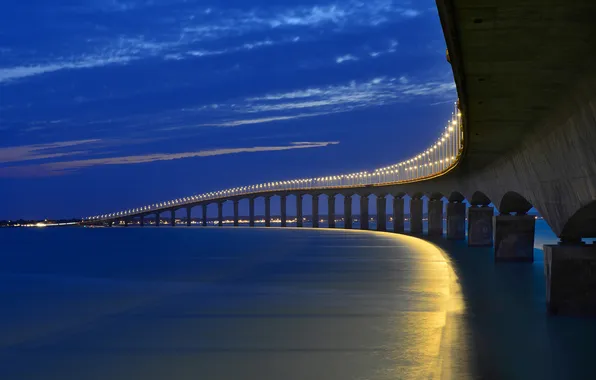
[514, 238]
[480, 226]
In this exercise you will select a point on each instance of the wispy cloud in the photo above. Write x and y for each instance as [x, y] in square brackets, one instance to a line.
[236, 123]
[41, 151]
[344, 58]
[63, 167]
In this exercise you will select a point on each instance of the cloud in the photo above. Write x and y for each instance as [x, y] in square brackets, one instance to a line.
[236, 123]
[41, 151]
[64, 167]
[344, 58]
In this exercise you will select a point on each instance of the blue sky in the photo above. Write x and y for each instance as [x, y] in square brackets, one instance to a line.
[112, 104]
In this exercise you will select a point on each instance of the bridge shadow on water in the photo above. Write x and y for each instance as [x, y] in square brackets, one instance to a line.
[513, 336]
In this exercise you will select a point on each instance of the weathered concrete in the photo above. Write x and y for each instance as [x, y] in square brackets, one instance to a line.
[251, 212]
[456, 221]
[570, 272]
[236, 216]
[364, 212]
[514, 237]
[348, 212]
[188, 216]
[283, 210]
[204, 214]
[299, 217]
[267, 211]
[416, 216]
[315, 210]
[220, 214]
[381, 213]
[435, 217]
[398, 214]
[480, 226]
[331, 211]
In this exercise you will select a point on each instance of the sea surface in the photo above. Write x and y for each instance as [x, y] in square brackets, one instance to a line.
[241, 303]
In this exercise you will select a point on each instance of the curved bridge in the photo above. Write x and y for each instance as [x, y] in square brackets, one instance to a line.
[524, 136]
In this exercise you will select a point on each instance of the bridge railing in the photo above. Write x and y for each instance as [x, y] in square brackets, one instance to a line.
[437, 159]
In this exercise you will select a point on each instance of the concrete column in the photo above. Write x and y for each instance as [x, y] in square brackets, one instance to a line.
[299, 217]
[381, 213]
[220, 213]
[514, 238]
[348, 212]
[480, 226]
[267, 211]
[173, 218]
[456, 221]
[315, 210]
[364, 212]
[236, 216]
[125, 222]
[204, 212]
[416, 216]
[435, 217]
[142, 220]
[570, 271]
[283, 210]
[331, 211]
[251, 212]
[188, 216]
[157, 219]
[398, 215]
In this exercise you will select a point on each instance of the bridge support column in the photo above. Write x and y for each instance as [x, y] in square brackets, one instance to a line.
[299, 218]
[331, 211]
[283, 202]
[315, 210]
[416, 216]
[570, 271]
[480, 226]
[236, 216]
[456, 221]
[142, 220]
[398, 214]
[435, 217]
[348, 212]
[204, 214]
[251, 212]
[125, 222]
[188, 216]
[173, 218]
[157, 219]
[219, 214]
[381, 213]
[267, 211]
[514, 238]
[364, 212]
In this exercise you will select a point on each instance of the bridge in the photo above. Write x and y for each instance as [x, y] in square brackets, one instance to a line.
[522, 135]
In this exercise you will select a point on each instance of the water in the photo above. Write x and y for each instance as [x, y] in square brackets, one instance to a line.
[193, 303]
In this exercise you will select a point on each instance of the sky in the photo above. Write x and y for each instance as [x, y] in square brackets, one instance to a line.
[114, 104]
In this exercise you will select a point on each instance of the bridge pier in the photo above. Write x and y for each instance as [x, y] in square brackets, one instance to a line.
[398, 214]
[125, 222]
[142, 220]
[364, 212]
[173, 218]
[480, 226]
[157, 219]
[456, 221]
[331, 211]
[219, 213]
[251, 212]
[283, 210]
[188, 216]
[315, 210]
[236, 216]
[348, 212]
[204, 215]
[267, 211]
[570, 271]
[299, 218]
[514, 238]
[381, 213]
[416, 216]
[435, 217]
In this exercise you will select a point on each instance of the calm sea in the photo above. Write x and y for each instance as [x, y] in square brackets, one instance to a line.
[240, 303]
